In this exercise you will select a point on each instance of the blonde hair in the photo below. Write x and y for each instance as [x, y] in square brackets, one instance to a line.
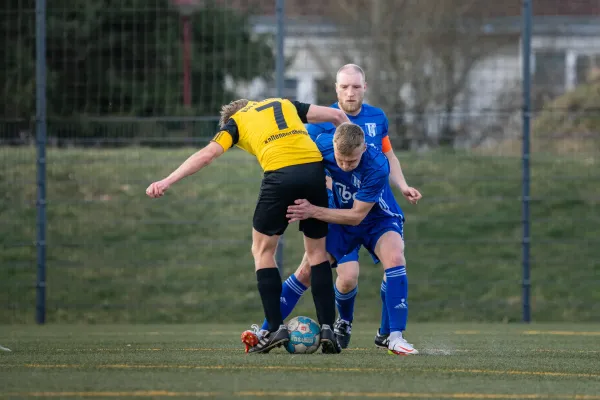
[348, 137]
[351, 67]
[228, 110]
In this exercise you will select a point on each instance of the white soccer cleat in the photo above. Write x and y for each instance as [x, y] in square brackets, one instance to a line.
[401, 347]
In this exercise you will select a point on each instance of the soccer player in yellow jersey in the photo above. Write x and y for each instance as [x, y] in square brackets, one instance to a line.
[273, 131]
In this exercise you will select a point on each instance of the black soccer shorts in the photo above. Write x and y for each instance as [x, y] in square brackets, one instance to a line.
[280, 188]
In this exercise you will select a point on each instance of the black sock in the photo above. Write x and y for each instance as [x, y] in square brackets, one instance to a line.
[269, 287]
[321, 283]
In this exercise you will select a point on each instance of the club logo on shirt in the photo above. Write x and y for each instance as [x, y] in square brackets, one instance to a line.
[371, 129]
[355, 181]
[345, 195]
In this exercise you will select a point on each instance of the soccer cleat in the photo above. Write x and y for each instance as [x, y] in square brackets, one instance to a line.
[342, 330]
[382, 341]
[329, 343]
[251, 337]
[401, 347]
[271, 340]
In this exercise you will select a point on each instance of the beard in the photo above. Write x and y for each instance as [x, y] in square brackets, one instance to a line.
[350, 108]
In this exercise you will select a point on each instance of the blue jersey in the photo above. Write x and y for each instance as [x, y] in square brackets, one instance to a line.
[369, 182]
[371, 119]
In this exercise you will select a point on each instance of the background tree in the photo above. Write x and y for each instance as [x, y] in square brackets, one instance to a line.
[108, 57]
[418, 55]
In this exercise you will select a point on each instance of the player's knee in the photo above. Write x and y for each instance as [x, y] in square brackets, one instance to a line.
[346, 284]
[394, 260]
[316, 256]
[263, 249]
[348, 271]
[347, 278]
[255, 249]
[315, 251]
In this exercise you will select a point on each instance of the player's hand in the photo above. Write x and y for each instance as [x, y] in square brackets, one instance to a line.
[411, 194]
[157, 189]
[302, 209]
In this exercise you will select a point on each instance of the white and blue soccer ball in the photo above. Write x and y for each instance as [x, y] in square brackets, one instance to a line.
[305, 336]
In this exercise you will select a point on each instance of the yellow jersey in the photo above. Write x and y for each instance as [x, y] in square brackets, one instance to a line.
[273, 131]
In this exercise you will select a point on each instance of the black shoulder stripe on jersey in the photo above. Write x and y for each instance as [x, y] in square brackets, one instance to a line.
[232, 128]
[302, 109]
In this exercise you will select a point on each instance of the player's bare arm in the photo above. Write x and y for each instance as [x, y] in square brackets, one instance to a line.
[303, 209]
[397, 179]
[193, 164]
[317, 114]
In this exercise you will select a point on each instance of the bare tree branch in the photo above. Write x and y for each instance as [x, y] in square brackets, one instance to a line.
[418, 54]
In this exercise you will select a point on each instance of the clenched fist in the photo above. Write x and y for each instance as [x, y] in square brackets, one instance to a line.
[157, 189]
[411, 194]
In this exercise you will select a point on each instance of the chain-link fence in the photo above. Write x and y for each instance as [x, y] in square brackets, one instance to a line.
[133, 87]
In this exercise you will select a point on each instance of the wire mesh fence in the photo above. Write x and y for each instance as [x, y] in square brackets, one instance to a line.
[133, 87]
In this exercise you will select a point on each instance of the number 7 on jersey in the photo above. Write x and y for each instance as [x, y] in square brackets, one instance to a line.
[277, 111]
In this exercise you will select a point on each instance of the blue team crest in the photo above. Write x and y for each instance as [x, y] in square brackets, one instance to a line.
[371, 129]
[355, 181]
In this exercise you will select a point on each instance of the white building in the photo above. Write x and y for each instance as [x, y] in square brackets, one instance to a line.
[564, 50]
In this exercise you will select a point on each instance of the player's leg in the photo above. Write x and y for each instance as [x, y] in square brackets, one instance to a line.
[269, 223]
[269, 280]
[322, 291]
[295, 286]
[302, 273]
[315, 232]
[390, 251]
[383, 333]
[292, 290]
[269, 288]
[346, 285]
[346, 289]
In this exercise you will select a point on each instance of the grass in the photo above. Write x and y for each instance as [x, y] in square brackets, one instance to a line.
[115, 255]
[458, 361]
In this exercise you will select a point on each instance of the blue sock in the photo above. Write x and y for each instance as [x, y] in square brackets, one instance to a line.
[384, 328]
[291, 291]
[345, 303]
[396, 298]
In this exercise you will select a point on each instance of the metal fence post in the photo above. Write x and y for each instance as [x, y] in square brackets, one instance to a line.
[40, 137]
[526, 54]
[279, 76]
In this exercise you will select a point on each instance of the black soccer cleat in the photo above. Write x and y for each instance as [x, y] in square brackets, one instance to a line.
[342, 330]
[382, 341]
[271, 340]
[329, 343]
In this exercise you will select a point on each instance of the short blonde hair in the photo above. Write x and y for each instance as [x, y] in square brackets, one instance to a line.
[348, 137]
[228, 110]
[352, 68]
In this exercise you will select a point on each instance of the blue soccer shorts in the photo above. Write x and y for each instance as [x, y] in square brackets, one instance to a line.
[345, 240]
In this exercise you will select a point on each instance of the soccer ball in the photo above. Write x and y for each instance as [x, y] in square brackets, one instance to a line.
[305, 336]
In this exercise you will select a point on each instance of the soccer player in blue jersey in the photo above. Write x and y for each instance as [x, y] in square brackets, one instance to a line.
[366, 214]
[350, 88]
